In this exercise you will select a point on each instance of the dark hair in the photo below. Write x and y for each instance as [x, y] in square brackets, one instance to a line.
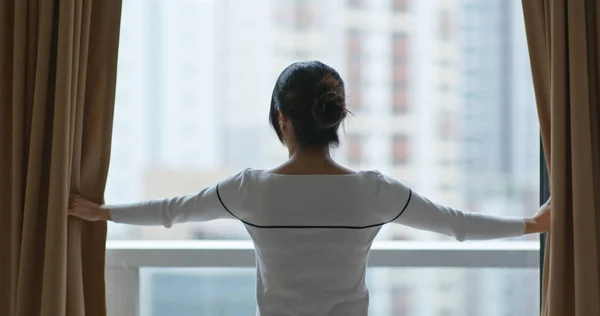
[312, 95]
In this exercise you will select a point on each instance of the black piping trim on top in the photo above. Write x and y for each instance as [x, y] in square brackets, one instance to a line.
[327, 227]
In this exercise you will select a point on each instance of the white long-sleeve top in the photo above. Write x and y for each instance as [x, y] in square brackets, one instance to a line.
[313, 233]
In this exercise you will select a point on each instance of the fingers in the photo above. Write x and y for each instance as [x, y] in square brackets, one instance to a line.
[76, 200]
[73, 203]
[78, 212]
[73, 212]
[75, 206]
[74, 196]
[83, 208]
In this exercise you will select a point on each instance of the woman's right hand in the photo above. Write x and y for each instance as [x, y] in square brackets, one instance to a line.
[87, 210]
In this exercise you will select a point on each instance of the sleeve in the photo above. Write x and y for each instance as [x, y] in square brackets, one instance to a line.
[198, 207]
[416, 211]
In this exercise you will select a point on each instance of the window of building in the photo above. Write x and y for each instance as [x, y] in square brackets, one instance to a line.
[354, 81]
[354, 96]
[445, 26]
[400, 75]
[400, 105]
[400, 149]
[445, 63]
[355, 3]
[305, 16]
[446, 127]
[400, 5]
[283, 14]
[400, 44]
[355, 44]
[354, 149]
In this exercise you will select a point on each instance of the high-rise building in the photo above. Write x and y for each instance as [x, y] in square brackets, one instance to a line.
[501, 142]
[500, 137]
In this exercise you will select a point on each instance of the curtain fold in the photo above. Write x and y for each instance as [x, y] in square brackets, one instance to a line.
[563, 40]
[58, 76]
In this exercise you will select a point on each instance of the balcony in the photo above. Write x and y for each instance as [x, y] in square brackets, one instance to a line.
[125, 259]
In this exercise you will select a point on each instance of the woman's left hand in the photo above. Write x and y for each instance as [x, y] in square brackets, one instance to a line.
[87, 210]
[540, 222]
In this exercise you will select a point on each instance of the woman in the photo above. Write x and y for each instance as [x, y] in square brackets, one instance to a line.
[311, 219]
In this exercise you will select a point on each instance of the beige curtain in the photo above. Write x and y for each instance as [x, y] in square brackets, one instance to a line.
[563, 37]
[58, 64]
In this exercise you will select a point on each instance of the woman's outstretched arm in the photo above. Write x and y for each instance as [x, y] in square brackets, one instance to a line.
[423, 214]
[197, 207]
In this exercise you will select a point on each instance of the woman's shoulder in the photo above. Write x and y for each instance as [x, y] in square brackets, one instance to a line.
[265, 173]
[251, 179]
[254, 174]
[245, 174]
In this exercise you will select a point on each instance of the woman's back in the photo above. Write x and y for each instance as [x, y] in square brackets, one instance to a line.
[312, 235]
[312, 271]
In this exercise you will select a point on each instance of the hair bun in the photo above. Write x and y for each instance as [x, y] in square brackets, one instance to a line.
[329, 108]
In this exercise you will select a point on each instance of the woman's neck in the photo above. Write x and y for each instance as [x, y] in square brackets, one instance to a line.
[313, 161]
[316, 154]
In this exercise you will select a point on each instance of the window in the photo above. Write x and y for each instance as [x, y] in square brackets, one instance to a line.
[400, 47]
[354, 81]
[354, 150]
[400, 74]
[400, 5]
[400, 149]
[444, 87]
[283, 14]
[445, 25]
[445, 63]
[354, 44]
[355, 3]
[446, 125]
[400, 100]
[305, 16]
[193, 85]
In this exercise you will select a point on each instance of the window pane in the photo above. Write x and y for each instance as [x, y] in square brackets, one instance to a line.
[393, 291]
[442, 91]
